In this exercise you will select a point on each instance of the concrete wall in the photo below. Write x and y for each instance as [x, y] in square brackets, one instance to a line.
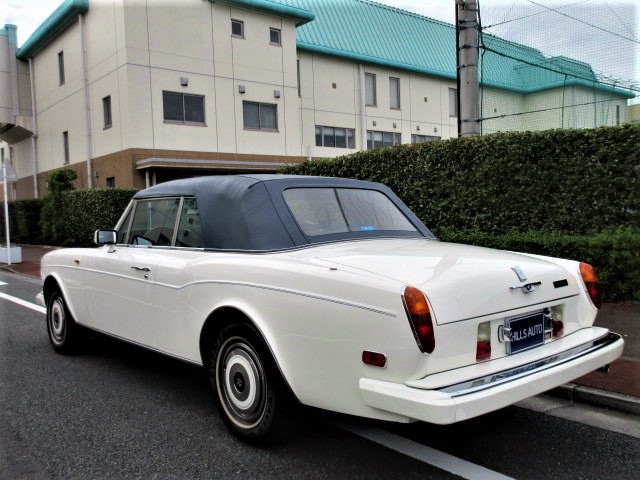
[330, 96]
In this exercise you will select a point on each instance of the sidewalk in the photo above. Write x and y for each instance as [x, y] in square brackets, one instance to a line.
[619, 389]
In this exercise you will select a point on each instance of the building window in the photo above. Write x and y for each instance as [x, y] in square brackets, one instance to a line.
[453, 102]
[423, 138]
[376, 139]
[237, 28]
[394, 93]
[111, 182]
[335, 137]
[61, 67]
[106, 111]
[65, 142]
[274, 36]
[182, 108]
[617, 115]
[370, 89]
[260, 116]
[299, 90]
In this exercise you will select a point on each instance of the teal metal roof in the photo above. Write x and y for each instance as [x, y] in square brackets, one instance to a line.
[275, 8]
[368, 32]
[52, 26]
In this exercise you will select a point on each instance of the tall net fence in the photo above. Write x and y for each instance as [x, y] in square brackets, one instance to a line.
[558, 64]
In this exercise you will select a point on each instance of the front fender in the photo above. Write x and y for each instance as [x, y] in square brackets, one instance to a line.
[72, 291]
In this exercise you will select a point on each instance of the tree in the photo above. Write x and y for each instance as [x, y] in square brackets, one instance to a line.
[53, 223]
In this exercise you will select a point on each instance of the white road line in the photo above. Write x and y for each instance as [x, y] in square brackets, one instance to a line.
[3, 283]
[429, 455]
[24, 303]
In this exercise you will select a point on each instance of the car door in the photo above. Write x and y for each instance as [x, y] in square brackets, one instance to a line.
[120, 282]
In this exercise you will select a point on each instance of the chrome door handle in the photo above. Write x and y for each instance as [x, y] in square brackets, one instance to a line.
[141, 269]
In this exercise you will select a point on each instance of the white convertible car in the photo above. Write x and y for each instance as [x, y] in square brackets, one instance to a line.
[326, 292]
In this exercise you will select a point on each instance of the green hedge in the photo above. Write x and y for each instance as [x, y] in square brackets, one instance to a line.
[563, 193]
[24, 221]
[615, 253]
[572, 181]
[82, 212]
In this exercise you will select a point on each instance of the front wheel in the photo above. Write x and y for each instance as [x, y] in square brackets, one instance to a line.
[247, 386]
[62, 329]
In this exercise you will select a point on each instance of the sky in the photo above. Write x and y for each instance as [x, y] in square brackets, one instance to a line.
[603, 33]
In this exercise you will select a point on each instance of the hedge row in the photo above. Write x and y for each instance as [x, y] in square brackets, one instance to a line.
[563, 193]
[24, 222]
[572, 181]
[77, 216]
[614, 253]
[83, 212]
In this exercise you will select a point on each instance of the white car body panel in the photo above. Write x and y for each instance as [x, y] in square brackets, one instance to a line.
[319, 307]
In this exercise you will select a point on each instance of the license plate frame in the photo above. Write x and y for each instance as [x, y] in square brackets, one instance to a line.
[527, 332]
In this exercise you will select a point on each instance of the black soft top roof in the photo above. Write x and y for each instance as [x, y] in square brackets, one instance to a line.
[248, 212]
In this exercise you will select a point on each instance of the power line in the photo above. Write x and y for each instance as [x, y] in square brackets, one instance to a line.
[532, 15]
[583, 22]
[517, 114]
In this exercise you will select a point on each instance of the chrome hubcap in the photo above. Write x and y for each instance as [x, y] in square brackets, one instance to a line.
[241, 383]
[57, 321]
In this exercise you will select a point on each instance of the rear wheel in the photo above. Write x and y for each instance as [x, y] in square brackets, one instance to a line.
[62, 329]
[248, 389]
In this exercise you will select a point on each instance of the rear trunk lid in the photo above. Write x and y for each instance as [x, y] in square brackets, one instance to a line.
[462, 282]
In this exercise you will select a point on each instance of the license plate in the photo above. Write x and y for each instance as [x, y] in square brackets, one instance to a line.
[526, 332]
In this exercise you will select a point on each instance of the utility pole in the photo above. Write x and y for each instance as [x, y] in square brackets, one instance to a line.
[467, 58]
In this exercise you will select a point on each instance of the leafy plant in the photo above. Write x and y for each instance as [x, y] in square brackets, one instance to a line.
[572, 181]
[52, 222]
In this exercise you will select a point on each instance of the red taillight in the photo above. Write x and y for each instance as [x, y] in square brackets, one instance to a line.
[557, 328]
[483, 344]
[374, 359]
[419, 315]
[590, 280]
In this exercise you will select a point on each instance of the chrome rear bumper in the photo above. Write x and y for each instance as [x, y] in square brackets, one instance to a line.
[480, 395]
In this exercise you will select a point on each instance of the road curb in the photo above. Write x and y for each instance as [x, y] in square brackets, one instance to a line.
[597, 397]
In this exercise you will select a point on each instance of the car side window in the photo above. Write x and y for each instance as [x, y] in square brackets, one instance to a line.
[189, 229]
[154, 222]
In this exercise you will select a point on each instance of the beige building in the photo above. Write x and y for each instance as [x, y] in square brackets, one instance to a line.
[132, 93]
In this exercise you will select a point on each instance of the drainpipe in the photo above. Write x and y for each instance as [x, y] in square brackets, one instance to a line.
[34, 136]
[574, 120]
[363, 119]
[85, 101]
[13, 71]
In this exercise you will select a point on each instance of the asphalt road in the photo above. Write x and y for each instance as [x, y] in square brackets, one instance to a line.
[118, 411]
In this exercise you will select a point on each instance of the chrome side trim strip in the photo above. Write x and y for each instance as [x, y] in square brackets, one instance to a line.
[498, 378]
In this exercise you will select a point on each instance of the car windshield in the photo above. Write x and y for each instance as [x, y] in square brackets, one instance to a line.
[327, 211]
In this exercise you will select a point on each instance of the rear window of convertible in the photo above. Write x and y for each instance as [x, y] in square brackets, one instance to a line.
[326, 211]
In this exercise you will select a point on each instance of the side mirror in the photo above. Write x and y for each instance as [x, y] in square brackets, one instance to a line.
[105, 237]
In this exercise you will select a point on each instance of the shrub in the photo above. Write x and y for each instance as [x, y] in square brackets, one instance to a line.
[563, 193]
[86, 211]
[572, 181]
[52, 222]
[24, 221]
[614, 253]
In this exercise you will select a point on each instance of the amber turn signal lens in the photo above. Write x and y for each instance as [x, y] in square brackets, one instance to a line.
[417, 309]
[590, 280]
